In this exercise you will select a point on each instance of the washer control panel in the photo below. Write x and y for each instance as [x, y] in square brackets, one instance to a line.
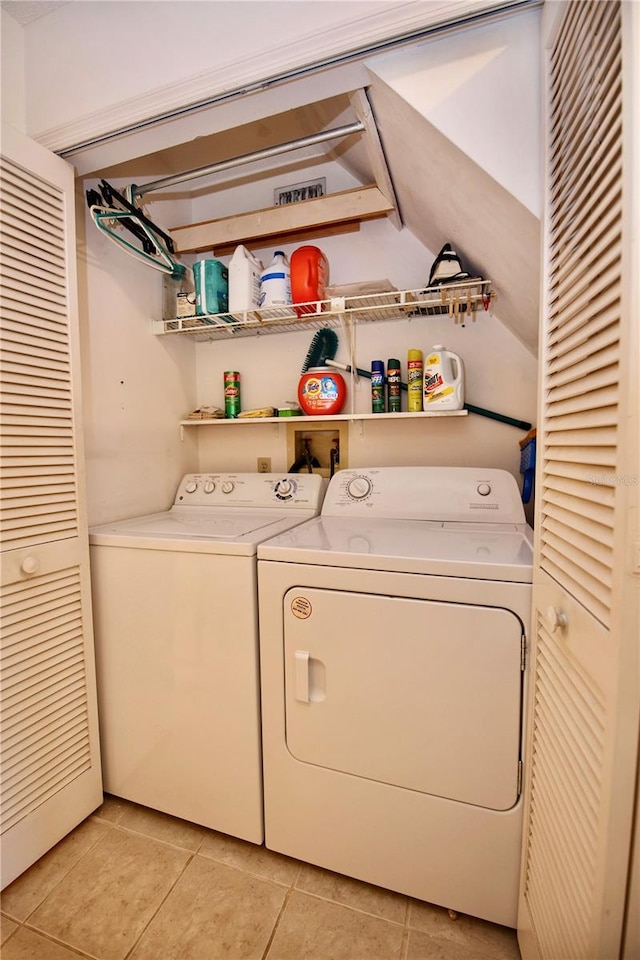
[471, 494]
[251, 490]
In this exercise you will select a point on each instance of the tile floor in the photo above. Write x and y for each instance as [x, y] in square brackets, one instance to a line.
[133, 883]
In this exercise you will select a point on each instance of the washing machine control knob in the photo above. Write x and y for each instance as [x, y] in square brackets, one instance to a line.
[484, 489]
[284, 488]
[359, 487]
[191, 487]
[228, 486]
[209, 486]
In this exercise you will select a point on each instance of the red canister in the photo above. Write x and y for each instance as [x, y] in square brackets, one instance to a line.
[309, 277]
[321, 390]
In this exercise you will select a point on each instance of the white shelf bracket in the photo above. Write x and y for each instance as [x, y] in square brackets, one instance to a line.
[358, 425]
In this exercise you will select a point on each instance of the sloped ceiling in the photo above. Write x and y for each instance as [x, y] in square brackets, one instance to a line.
[443, 195]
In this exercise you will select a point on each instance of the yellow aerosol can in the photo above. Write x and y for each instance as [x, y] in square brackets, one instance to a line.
[414, 381]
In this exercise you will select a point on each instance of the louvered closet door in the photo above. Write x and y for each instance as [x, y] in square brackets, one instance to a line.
[583, 711]
[50, 767]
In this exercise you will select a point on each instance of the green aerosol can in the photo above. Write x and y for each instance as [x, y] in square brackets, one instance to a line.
[394, 379]
[231, 394]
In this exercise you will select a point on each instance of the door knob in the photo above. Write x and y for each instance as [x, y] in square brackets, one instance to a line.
[556, 619]
[30, 565]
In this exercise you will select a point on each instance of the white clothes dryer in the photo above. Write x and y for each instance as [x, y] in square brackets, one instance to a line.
[393, 636]
[176, 635]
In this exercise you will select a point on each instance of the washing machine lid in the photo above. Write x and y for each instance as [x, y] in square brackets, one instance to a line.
[207, 530]
[482, 551]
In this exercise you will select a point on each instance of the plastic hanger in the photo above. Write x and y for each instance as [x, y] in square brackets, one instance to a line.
[124, 223]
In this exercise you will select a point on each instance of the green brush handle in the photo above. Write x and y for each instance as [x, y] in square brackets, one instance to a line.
[520, 424]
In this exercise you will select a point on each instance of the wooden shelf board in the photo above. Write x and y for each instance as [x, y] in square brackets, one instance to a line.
[348, 206]
[428, 414]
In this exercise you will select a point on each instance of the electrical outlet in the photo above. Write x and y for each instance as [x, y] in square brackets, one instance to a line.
[264, 464]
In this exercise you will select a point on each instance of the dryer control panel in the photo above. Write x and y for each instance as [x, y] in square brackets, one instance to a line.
[464, 494]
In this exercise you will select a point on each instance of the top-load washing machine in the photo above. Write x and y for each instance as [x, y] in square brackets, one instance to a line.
[176, 635]
[393, 640]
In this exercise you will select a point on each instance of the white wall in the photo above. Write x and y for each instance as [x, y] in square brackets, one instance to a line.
[101, 62]
[12, 72]
[481, 89]
[127, 49]
[136, 387]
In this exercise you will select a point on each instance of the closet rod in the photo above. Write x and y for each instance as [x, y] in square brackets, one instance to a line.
[309, 141]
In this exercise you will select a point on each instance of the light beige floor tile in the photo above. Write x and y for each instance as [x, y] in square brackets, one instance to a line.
[161, 826]
[21, 898]
[111, 809]
[488, 939]
[214, 912]
[423, 947]
[6, 928]
[27, 945]
[250, 857]
[105, 902]
[352, 893]
[312, 929]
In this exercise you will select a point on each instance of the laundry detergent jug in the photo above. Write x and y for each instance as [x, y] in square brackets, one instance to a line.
[245, 278]
[309, 277]
[443, 380]
[275, 282]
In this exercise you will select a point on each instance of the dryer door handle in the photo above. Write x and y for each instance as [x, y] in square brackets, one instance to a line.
[302, 675]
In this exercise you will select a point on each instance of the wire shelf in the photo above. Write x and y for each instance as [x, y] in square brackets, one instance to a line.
[461, 301]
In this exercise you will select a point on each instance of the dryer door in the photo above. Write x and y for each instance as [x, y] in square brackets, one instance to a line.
[419, 694]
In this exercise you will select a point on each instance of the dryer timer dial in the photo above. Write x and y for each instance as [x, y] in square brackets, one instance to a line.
[359, 487]
[484, 489]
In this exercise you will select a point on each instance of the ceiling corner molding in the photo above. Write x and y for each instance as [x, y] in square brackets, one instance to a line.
[362, 37]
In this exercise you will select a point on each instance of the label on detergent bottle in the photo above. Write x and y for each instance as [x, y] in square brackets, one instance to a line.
[275, 282]
[433, 381]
